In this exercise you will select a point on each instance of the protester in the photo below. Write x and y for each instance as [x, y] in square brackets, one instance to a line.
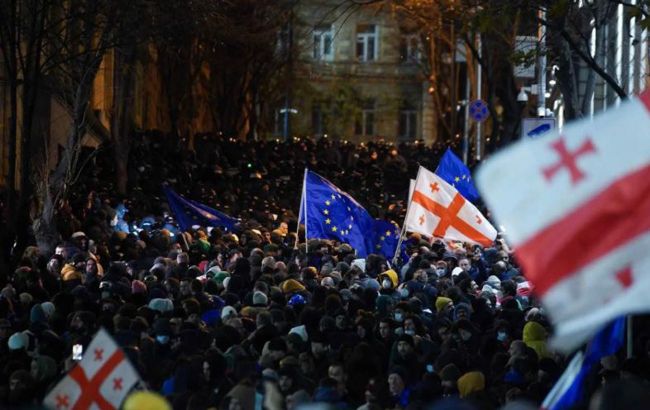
[229, 320]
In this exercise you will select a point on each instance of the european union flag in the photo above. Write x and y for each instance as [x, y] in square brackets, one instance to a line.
[329, 213]
[456, 173]
[188, 213]
[385, 238]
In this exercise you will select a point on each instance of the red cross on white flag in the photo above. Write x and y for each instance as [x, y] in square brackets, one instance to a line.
[101, 380]
[437, 209]
[576, 207]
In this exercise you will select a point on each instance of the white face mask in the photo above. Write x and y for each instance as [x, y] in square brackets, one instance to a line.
[162, 339]
[404, 293]
[410, 332]
[399, 317]
[465, 335]
[386, 284]
[441, 272]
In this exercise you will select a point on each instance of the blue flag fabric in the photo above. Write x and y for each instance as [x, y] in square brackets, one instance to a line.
[606, 343]
[188, 213]
[456, 173]
[330, 213]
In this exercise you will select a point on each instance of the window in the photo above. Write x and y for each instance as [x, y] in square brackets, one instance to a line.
[323, 43]
[365, 124]
[319, 119]
[408, 119]
[367, 42]
[410, 50]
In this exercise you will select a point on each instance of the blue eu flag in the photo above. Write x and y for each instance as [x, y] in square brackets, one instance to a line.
[385, 238]
[456, 173]
[329, 213]
[188, 213]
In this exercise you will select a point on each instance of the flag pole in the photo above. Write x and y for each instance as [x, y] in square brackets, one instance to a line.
[304, 201]
[408, 209]
[630, 337]
[300, 207]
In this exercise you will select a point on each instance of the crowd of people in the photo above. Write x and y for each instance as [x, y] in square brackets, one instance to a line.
[257, 318]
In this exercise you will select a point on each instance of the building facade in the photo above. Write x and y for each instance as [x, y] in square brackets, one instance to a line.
[356, 76]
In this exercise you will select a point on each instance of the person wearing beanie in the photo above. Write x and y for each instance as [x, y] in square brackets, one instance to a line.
[449, 376]
[161, 305]
[138, 287]
[291, 286]
[260, 299]
[228, 312]
[18, 341]
[470, 383]
[443, 303]
[145, 400]
[48, 308]
[398, 386]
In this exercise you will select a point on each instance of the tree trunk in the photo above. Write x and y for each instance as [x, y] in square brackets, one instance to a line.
[122, 118]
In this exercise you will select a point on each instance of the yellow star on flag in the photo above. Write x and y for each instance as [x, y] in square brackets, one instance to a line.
[326, 212]
[334, 228]
[388, 233]
[328, 221]
[456, 179]
[327, 203]
[333, 197]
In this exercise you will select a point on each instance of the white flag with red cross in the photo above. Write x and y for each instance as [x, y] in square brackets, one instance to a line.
[101, 380]
[576, 206]
[437, 209]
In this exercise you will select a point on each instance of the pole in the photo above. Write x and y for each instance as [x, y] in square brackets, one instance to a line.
[408, 210]
[288, 98]
[479, 80]
[541, 65]
[468, 86]
[304, 193]
[301, 210]
[630, 336]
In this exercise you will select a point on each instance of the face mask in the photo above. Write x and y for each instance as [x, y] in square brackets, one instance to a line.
[386, 284]
[465, 335]
[404, 293]
[410, 332]
[441, 272]
[430, 368]
[399, 331]
[502, 336]
[162, 339]
[399, 317]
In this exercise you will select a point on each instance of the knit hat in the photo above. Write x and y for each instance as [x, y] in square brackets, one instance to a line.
[441, 303]
[300, 331]
[449, 373]
[161, 305]
[17, 341]
[37, 315]
[259, 298]
[227, 312]
[138, 286]
[69, 272]
[291, 285]
[470, 383]
[494, 282]
[26, 298]
[48, 308]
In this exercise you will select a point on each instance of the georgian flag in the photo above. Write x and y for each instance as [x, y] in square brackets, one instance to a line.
[576, 206]
[101, 380]
[437, 209]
